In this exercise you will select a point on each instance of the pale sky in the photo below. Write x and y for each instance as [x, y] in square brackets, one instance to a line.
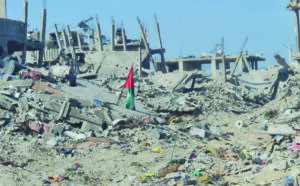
[187, 27]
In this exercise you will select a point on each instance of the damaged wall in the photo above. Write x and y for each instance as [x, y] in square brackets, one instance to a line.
[13, 32]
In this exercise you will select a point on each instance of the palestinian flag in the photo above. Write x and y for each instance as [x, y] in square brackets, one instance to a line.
[130, 90]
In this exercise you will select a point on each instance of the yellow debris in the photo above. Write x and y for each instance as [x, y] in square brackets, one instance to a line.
[157, 149]
[244, 155]
[174, 119]
[147, 175]
[203, 179]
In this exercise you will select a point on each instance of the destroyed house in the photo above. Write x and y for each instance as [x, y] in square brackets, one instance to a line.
[13, 34]
[197, 63]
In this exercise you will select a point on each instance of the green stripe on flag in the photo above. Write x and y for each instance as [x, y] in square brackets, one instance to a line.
[130, 99]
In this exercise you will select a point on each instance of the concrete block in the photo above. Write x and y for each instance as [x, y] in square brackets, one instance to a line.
[75, 136]
[283, 130]
[281, 166]
[87, 126]
[198, 132]
[23, 105]
[7, 103]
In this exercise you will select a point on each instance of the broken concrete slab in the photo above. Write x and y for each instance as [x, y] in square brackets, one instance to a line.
[7, 103]
[127, 112]
[283, 130]
[23, 105]
[200, 133]
[87, 126]
[16, 84]
[73, 112]
[64, 111]
[75, 136]
[281, 165]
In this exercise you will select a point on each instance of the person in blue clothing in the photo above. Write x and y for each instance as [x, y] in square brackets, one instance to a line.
[71, 77]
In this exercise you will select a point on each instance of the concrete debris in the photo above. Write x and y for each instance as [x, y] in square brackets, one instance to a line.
[75, 136]
[198, 132]
[190, 126]
[283, 130]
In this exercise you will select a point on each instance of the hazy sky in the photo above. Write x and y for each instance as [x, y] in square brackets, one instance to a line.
[187, 27]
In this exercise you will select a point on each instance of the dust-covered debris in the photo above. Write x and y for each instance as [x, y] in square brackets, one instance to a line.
[63, 117]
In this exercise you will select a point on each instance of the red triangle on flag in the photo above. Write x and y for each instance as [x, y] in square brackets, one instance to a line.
[129, 79]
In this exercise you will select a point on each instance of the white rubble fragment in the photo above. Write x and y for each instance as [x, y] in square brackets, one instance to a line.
[75, 136]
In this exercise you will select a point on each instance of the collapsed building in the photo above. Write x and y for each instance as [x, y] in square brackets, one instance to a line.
[14, 34]
[72, 46]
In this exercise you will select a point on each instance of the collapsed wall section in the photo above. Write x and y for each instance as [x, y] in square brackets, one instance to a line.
[12, 36]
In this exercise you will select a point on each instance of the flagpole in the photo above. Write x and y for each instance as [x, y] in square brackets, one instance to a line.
[117, 103]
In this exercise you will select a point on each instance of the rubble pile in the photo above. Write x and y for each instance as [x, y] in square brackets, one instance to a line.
[208, 99]
[65, 120]
[191, 137]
